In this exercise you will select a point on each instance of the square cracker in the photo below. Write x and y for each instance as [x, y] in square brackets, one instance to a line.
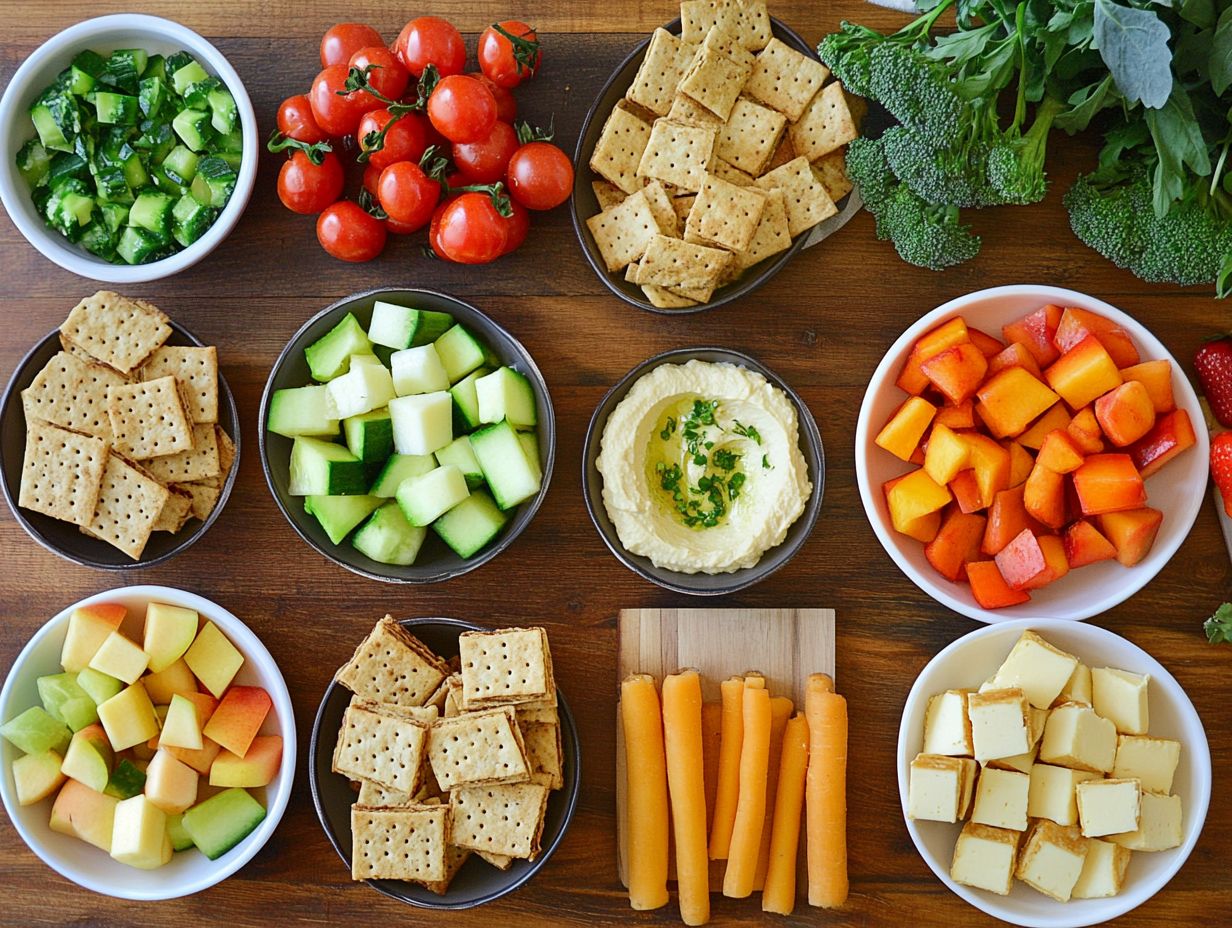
[506, 666]
[688, 112]
[392, 666]
[62, 473]
[785, 80]
[197, 371]
[619, 150]
[455, 857]
[499, 861]
[654, 85]
[748, 139]
[505, 819]
[831, 170]
[623, 231]
[678, 155]
[373, 794]
[113, 329]
[148, 418]
[198, 463]
[803, 194]
[663, 298]
[381, 743]
[731, 174]
[756, 30]
[714, 80]
[725, 214]
[607, 194]
[204, 495]
[72, 393]
[478, 749]
[226, 450]
[128, 507]
[698, 17]
[660, 204]
[176, 511]
[725, 38]
[404, 843]
[544, 753]
[669, 262]
[825, 125]
[772, 236]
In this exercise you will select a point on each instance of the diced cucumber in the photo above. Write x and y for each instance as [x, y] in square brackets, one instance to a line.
[388, 538]
[330, 355]
[369, 358]
[398, 468]
[137, 245]
[80, 82]
[152, 211]
[115, 216]
[181, 165]
[322, 468]
[96, 239]
[123, 70]
[230, 147]
[66, 164]
[184, 77]
[423, 424]
[466, 402]
[156, 66]
[197, 96]
[175, 61]
[460, 352]
[192, 126]
[224, 116]
[361, 389]
[116, 109]
[460, 454]
[190, 220]
[338, 515]
[425, 499]
[369, 435]
[180, 841]
[155, 138]
[221, 822]
[505, 465]
[33, 162]
[134, 171]
[418, 370]
[89, 62]
[432, 325]
[70, 207]
[302, 411]
[471, 525]
[220, 177]
[530, 444]
[57, 119]
[152, 96]
[506, 394]
[126, 781]
[403, 327]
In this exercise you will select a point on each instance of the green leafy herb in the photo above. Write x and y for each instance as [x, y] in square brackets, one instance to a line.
[669, 428]
[747, 431]
[704, 504]
[765, 461]
[1219, 626]
[725, 460]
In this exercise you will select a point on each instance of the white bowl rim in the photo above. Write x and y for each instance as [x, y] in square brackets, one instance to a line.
[253, 649]
[1196, 808]
[59, 250]
[1135, 578]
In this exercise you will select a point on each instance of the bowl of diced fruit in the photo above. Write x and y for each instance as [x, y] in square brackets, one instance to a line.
[148, 743]
[1030, 451]
[406, 436]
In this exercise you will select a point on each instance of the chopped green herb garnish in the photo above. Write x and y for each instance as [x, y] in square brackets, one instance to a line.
[725, 459]
[747, 431]
[669, 428]
[765, 461]
[1219, 626]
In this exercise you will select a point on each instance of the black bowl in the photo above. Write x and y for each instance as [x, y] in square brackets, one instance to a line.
[68, 540]
[583, 204]
[477, 882]
[436, 561]
[703, 584]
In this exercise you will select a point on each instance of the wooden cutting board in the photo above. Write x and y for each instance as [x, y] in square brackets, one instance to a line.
[785, 645]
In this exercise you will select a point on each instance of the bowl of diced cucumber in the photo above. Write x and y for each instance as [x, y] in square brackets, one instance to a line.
[406, 436]
[129, 148]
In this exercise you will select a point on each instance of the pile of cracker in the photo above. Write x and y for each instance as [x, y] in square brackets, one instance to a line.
[451, 758]
[122, 434]
[728, 144]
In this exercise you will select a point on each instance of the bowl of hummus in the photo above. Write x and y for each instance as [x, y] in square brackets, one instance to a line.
[703, 471]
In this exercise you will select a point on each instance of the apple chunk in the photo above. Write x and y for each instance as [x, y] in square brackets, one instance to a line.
[88, 626]
[119, 657]
[256, 768]
[170, 784]
[129, 718]
[238, 718]
[89, 758]
[169, 630]
[84, 813]
[37, 776]
[213, 659]
[139, 836]
[182, 726]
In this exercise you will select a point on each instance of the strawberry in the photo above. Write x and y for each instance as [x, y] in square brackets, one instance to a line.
[1214, 364]
[1221, 467]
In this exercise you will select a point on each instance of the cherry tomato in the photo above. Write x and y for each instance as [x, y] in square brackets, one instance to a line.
[372, 174]
[508, 63]
[431, 40]
[434, 230]
[342, 41]
[308, 188]
[350, 233]
[485, 162]
[517, 227]
[388, 78]
[472, 231]
[540, 176]
[506, 105]
[400, 228]
[405, 140]
[334, 114]
[407, 194]
[295, 121]
[462, 109]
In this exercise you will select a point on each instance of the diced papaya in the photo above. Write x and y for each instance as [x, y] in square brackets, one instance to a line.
[961, 416]
[1085, 545]
[1021, 463]
[1173, 434]
[988, 345]
[957, 372]
[1076, 324]
[1126, 413]
[923, 528]
[956, 543]
[1084, 373]
[1043, 496]
[1059, 453]
[991, 464]
[1015, 355]
[966, 491]
[947, 454]
[914, 495]
[911, 378]
[1084, 429]
[1023, 562]
[1007, 517]
[1108, 483]
[1036, 330]
[1054, 557]
[989, 587]
[1156, 376]
[1131, 532]
[901, 435]
[917, 456]
[1009, 401]
[1055, 418]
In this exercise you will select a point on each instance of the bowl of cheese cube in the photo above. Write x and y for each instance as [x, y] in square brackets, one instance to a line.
[1052, 773]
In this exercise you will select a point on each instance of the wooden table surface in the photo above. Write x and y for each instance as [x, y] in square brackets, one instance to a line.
[823, 324]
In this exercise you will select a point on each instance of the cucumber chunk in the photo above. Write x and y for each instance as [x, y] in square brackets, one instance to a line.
[339, 515]
[398, 468]
[506, 468]
[33, 162]
[152, 211]
[330, 355]
[116, 108]
[369, 435]
[418, 370]
[220, 179]
[184, 77]
[190, 220]
[180, 165]
[506, 394]
[392, 325]
[471, 525]
[221, 822]
[322, 468]
[530, 444]
[423, 424]
[461, 455]
[137, 245]
[426, 498]
[224, 116]
[388, 538]
[193, 127]
[302, 411]
[152, 96]
[460, 352]
[363, 388]
[466, 402]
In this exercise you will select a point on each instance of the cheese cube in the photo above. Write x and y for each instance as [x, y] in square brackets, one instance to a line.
[1076, 736]
[1052, 859]
[1052, 793]
[999, 726]
[1077, 688]
[1159, 825]
[967, 791]
[1001, 799]
[1151, 760]
[1037, 668]
[1103, 872]
[1108, 807]
[1020, 762]
[1121, 697]
[934, 790]
[1037, 720]
[984, 858]
[947, 729]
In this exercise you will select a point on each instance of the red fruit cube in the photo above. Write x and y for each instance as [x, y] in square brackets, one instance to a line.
[1037, 330]
[989, 587]
[1085, 545]
[1108, 483]
[1173, 434]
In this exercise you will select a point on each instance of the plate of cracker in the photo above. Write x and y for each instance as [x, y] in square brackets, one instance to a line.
[445, 763]
[713, 154]
[118, 436]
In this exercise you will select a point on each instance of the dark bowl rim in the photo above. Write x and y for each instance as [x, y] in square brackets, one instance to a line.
[468, 564]
[571, 796]
[6, 404]
[736, 290]
[748, 576]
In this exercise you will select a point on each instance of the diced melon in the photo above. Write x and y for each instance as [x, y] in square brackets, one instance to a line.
[506, 394]
[423, 424]
[424, 499]
[363, 388]
[418, 370]
[139, 834]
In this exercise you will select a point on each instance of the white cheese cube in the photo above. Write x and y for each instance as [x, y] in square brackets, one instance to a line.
[1077, 688]
[1020, 762]
[989, 684]
[1052, 793]
[418, 370]
[1052, 859]
[934, 790]
[1076, 736]
[1159, 825]
[363, 388]
[967, 792]
[984, 858]
[1121, 697]
[1108, 807]
[1037, 668]
[1103, 872]
[1037, 720]
[1151, 760]
[999, 726]
[1001, 799]
[947, 730]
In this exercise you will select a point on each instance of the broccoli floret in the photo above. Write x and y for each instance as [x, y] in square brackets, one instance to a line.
[1107, 217]
[1016, 165]
[847, 52]
[917, 91]
[1187, 245]
[953, 176]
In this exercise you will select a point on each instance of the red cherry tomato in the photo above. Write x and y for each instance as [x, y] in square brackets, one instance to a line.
[462, 109]
[308, 188]
[472, 231]
[400, 228]
[508, 63]
[337, 115]
[540, 176]
[405, 140]
[434, 230]
[484, 162]
[372, 174]
[430, 40]
[506, 105]
[349, 233]
[295, 121]
[517, 227]
[407, 194]
[342, 41]
[388, 77]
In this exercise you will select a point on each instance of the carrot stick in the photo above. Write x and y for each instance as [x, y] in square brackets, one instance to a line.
[682, 739]
[779, 894]
[646, 800]
[780, 711]
[712, 720]
[751, 804]
[727, 792]
[826, 712]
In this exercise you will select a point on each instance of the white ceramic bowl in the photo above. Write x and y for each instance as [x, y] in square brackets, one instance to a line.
[973, 658]
[189, 871]
[1178, 490]
[105, 34]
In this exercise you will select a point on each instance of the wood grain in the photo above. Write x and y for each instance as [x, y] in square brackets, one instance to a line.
[822, 324]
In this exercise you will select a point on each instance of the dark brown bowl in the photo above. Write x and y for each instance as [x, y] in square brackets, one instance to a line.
[68, 540]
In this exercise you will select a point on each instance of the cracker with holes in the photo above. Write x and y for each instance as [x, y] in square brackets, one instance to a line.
[825, 125]
[130, 502]
[405, 843]
[724, 214]
[199, 462]
[660, 203]
[756, 30]
[455, 857]
[226, 450]
[784, 79]
[544, 753]
[623, 232]
[749, 137]
[478, 749]
[373, 794]
[504, 667]
[773, 233]
[654, 85]
[196, 370]
[804, 195]
[619, 150]
[607, 194]
[699, 17]
[506, 820]
[72, 393]
[382, 743]
[831, 170]
[175, 512]
[392, 666]
[148, 419]
[678, 155]
[714, 80]
[62, 473]
[670, 262]
[204, 495]
[688, 112]
[115, 330]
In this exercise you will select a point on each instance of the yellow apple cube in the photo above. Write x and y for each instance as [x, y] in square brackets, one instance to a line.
[139, 835]
[37, 776]
[120, 658]
[166, 683]
[182, 726]
[84, 813]
[213, 659]
[87, 627]
[170, 784]
[169, 630]
[128, 717]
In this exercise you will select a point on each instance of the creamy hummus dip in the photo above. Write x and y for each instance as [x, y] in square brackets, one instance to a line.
[702, 469]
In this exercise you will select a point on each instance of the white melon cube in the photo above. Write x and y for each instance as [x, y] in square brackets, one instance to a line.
[418, 370]
[423, 424]
[363, 388]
